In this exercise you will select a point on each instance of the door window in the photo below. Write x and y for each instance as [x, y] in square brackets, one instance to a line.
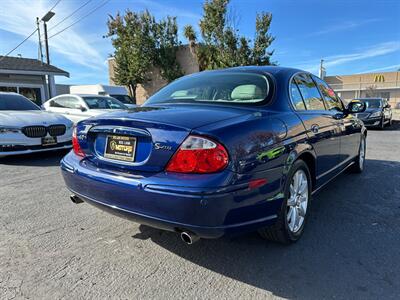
[332, 101]
[311, 96]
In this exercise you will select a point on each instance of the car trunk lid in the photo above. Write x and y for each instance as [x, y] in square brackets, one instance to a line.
[152, 133]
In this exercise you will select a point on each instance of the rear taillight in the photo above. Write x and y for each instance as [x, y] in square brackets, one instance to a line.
[75, 144]
[199, 155]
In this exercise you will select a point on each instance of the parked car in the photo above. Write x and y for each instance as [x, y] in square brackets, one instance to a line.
[25, 128]
[77, 107]
[118, 92]
[378, 112]
[219, 152]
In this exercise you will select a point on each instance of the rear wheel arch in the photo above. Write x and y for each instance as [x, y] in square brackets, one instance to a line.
[309, 159]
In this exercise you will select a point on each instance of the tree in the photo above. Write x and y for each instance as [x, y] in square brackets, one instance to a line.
[167, 45]
[371, 91]
[139, 44]
[222, 46]
[263, 40]
[132, 36]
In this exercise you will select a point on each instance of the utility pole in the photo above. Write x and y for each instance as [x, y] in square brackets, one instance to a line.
[322, 71]
[50, 78]
[40, 42]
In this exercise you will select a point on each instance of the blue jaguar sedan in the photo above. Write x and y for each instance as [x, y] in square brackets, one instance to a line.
[219, 153]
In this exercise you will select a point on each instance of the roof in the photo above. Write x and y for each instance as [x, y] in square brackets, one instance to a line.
[269, 69]
[19, 65]
[273, 70]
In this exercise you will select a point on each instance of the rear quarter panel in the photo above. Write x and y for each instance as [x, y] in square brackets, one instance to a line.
[263, 144]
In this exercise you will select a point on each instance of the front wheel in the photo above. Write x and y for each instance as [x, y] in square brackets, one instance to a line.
[359, 162]
[381, 125]
[293, 213]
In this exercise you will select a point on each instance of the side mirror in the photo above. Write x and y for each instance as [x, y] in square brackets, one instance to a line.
[82, 108]
[356, 107]
[388, 106]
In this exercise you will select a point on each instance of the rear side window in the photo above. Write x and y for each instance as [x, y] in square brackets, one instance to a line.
[66, 102]
[331, 100]
[297, 99]
[309, 91]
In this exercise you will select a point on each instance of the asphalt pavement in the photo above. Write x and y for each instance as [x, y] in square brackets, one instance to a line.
[51, 248]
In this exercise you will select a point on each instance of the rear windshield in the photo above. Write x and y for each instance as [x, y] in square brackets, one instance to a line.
[372, 103]
[232, 88]
[94, 102]
[16, 102]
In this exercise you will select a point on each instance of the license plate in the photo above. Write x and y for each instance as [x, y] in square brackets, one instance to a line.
[49, 141]
[120, 148]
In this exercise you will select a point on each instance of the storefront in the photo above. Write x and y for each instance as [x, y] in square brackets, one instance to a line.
[369, 85]
[28, 77]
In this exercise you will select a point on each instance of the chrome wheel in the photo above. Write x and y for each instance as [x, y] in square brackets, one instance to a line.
[361, 156]
[297, 201]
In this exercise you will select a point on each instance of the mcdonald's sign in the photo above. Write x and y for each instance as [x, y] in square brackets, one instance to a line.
[379, 78]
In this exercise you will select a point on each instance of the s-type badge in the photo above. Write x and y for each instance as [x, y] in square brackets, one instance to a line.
[160, 146]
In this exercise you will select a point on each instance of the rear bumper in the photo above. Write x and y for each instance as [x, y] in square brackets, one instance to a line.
[206, 212]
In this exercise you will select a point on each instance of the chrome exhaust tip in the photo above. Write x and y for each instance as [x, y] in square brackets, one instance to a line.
[189, 238]
[75, 199]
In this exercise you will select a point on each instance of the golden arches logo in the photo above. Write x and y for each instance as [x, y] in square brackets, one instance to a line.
[379, 78]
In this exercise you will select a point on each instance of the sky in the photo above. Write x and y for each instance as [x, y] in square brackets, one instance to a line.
[352, 36]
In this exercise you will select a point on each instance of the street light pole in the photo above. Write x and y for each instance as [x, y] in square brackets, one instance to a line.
[50, 78]
[46, 43]
[45, 19]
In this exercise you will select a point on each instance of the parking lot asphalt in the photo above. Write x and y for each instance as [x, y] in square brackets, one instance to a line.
[51, 248]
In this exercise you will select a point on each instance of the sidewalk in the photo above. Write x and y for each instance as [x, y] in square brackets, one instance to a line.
[396, 114]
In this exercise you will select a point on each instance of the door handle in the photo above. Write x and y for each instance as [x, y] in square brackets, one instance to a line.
[315, 128]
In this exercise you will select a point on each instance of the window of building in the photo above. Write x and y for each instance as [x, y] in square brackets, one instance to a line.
[9, 89]
[311, 96]
[32, 94]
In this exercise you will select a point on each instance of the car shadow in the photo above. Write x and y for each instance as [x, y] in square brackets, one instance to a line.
[38, 159]
[349, 248]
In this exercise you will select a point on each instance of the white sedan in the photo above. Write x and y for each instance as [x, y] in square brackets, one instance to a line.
[77, 107]
[25, 128]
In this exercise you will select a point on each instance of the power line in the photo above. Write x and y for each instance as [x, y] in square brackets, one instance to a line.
[80, 19]
[12, 50]
[70, 15]
[55, 5]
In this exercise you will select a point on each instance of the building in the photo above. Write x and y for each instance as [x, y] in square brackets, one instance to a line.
[186, 59]
[29, 77]
[383, 85]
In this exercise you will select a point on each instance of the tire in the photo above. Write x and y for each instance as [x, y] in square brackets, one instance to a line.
[359, 161]
[285, 230]
[381, 125]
